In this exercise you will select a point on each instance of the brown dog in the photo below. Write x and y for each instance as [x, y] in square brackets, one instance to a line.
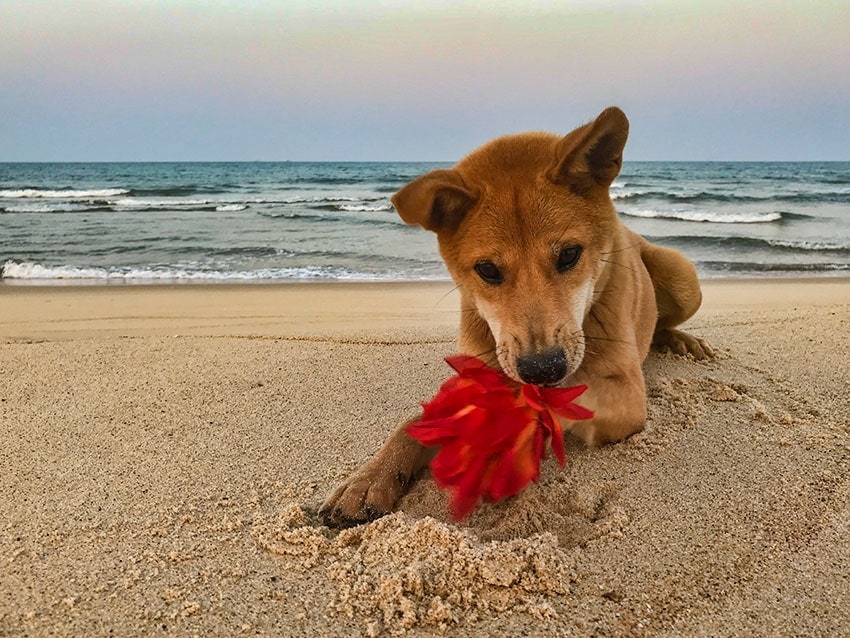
[554, 289]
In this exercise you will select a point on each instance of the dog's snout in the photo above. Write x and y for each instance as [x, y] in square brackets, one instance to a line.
[543, 368]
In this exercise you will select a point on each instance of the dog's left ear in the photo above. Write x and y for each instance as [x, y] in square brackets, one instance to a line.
[437, 201]
[592, 155]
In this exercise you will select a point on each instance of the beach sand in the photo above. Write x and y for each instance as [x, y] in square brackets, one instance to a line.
[165, 450]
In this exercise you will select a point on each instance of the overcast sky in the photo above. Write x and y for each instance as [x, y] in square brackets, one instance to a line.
[390, 80]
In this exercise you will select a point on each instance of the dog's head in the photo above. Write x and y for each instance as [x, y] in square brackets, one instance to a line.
[523, 225]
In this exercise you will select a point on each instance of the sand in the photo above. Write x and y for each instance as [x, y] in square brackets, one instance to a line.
[165, 450]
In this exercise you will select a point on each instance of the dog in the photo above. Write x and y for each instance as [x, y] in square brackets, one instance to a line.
[554, 289]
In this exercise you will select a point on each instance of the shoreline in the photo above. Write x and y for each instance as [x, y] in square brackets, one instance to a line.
[200, 282]
[89, 284]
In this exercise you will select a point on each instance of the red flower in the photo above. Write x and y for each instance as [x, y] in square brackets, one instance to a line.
[492, 432]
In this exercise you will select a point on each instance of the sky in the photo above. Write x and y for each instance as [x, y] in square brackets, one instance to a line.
[336, 80]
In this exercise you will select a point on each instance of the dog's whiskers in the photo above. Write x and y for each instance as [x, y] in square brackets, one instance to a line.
[443, 298]
[619, 250]
[608, 339]
[486, 353]
[615, 263]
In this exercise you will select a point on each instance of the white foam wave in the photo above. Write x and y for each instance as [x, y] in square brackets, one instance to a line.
[807, 245]
[706, 216]
[41, 208]
[130, 202]
[33, 272]
[318, 200]
[626, 194]
[33, 193]
[126, 204]
[365, 208]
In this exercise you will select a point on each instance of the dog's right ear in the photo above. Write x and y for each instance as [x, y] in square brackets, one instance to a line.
[437, 201]
[592, 155]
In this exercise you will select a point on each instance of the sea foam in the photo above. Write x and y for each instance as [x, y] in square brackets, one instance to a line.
[366, 208]
[42, 208]
[706, 216]
[34, 272]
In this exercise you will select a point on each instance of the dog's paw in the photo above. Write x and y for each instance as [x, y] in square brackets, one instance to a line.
[366, 495]
[682, 343]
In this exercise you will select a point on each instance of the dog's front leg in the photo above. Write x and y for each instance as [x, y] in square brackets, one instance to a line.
[374, 489]
[618, 402]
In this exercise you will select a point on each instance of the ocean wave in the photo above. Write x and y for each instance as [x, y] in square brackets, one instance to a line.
[835, 180]
[182, 190]
[127, 205]
[318, 256]
[42, 208]
[142, 204]
[124, 206]
[36, 193]
[390, 221]
[826, 246]
[627, 195]
[130, 202]
[752, 243]
[199, 205]
[728, 198]
[331, 181]
[747, 267]
[351, 205]
[71, 193]
[368, 177]
[707, 216]
[30, 271]
[303, 199]
[366, 208]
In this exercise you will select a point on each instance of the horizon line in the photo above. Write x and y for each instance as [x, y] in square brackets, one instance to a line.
[410, 161]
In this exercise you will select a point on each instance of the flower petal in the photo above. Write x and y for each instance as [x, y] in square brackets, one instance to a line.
[557, 434]
[561, 400]
[451, 463]
[519, 464]
[474, 368]
[455, 394]
[468, 490]
[441, 431]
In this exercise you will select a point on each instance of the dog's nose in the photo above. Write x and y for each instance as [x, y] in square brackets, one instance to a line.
[542, 368]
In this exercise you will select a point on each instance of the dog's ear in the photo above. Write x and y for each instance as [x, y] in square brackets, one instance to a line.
[592, 155]
[437, 201]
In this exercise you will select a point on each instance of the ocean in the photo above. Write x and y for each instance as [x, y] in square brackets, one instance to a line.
[291, 221]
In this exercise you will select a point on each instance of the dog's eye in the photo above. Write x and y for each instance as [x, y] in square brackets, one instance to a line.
[489, 272]
[568, 258]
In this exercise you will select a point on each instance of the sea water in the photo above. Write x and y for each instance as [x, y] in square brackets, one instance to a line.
[291, 221]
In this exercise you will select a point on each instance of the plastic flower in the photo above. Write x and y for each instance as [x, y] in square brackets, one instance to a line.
[492, 432]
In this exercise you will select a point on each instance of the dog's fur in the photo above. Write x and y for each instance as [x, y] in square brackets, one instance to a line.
[525, 206]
